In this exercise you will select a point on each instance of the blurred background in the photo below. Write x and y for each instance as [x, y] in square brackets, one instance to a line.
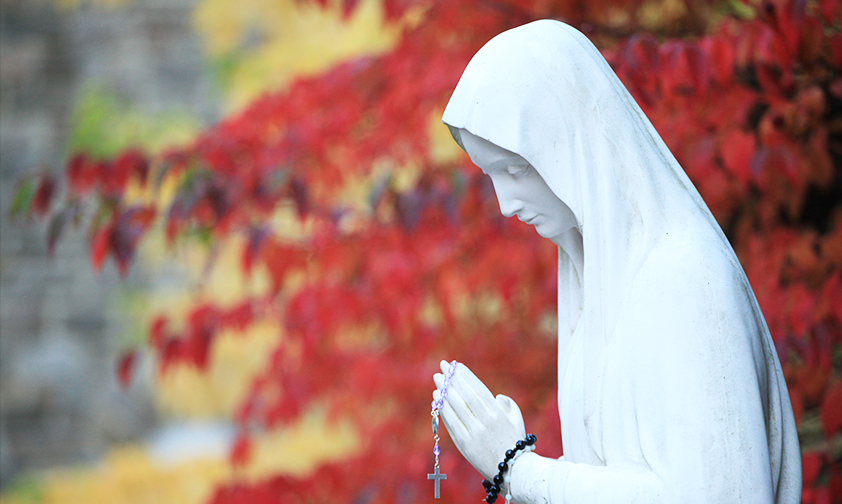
[69, 70]
[101, 76]
[235, 239]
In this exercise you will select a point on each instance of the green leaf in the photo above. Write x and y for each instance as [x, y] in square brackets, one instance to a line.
[23, 197]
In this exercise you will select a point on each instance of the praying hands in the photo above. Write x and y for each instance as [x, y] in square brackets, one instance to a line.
[481, 426]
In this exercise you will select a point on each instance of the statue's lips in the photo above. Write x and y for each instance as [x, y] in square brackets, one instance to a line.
[527, 220]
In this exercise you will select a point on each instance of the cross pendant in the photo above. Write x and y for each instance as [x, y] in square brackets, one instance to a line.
[438, 477]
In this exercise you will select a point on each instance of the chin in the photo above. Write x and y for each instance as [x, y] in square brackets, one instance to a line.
[544, 233]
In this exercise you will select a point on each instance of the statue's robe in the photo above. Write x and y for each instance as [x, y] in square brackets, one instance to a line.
[670, 389]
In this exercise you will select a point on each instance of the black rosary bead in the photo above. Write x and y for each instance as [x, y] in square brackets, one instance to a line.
[492, 487]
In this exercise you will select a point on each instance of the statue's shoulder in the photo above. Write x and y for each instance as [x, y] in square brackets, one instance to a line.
[691, 255]
[692, 273]
[688, 296]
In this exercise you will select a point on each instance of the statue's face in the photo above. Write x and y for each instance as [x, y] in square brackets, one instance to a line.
[521, 191]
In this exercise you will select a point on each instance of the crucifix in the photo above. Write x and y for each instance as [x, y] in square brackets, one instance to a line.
[437, 404]
[438, 477]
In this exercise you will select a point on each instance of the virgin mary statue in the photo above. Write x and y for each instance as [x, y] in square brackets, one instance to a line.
[669, 386]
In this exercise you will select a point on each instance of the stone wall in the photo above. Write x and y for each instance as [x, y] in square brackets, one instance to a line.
[60, 330]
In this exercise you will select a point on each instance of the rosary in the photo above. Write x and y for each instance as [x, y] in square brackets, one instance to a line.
[494, 486]
[437, 405]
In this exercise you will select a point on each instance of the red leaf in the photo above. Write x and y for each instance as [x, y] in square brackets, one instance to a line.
[831, 10]
[642, 62]
[138, 164]
[832, 290]
[835, 483]
[831, 410]
[686, 68]
[722, 55]
[128, 229]
[812, 40]
[81, 174]
[240, 316]
[811, 465]
[43, 196]
[253, 247]
[300, 195]
[130, 163]
[835, 42]
[100, 246]
[737, 151]
[779, 159]
[822, 495]
[348, 7]
[173, 350]
[198, 347]
[125, 368]
[241, 452]
[158, 332]
[279, 259]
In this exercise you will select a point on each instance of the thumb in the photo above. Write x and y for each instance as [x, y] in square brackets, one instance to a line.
[511, 409]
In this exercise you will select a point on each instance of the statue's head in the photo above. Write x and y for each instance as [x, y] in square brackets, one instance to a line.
[520, 190]
[516, 93]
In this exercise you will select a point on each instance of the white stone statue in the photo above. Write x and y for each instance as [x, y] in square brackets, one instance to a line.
[669, 385]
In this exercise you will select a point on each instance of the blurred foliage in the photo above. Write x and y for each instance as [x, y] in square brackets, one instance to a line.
[293, 38]
[260, 45]
[25, 490]
[128, 476]
[131, 475]
[103, 125]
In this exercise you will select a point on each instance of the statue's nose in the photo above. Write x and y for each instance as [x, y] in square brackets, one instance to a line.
[509, 204]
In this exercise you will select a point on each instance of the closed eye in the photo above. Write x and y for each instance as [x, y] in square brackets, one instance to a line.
[518, 170]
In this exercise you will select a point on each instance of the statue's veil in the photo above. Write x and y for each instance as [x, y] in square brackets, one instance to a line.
[544, 91]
